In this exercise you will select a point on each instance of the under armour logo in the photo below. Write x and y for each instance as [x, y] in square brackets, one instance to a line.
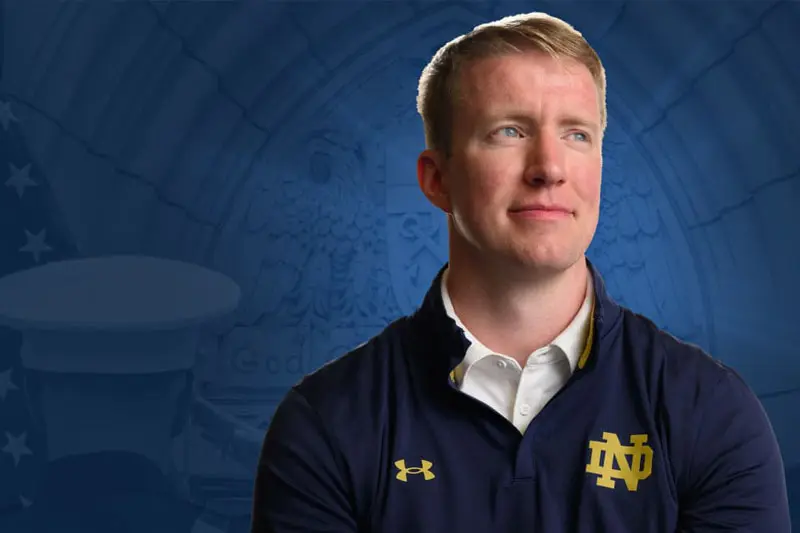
[404, 471]
[635, 461]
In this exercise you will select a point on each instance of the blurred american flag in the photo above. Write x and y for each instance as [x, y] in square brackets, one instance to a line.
[31, 234]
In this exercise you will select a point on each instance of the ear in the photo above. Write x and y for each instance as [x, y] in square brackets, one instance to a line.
[430, 175]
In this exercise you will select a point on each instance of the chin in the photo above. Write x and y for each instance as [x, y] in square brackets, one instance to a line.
[551, 263]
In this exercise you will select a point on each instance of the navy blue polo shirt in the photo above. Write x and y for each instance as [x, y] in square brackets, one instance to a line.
[650, 434]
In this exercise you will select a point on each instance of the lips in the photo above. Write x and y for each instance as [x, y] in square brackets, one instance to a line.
[544, 208]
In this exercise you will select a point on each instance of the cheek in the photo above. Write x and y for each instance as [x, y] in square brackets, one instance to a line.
[491, 177]
[588, 186]
[478, 184]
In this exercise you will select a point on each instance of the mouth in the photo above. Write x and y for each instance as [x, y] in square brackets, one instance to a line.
[541, 211]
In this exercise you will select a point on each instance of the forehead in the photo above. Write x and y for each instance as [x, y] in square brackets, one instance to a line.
[527, 80]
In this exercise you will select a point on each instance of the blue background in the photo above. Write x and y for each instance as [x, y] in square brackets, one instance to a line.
[275, 143]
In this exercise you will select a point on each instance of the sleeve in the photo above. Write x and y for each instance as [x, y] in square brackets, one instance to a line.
[298, 484]
[737, 476]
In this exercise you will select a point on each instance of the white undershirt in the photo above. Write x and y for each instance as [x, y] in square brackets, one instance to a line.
[499, 381]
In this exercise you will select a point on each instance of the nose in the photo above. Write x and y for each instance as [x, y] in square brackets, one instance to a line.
[545, 165]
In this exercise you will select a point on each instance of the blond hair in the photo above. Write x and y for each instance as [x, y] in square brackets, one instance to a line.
[531, 31]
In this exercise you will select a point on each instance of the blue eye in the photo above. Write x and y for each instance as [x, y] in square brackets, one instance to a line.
[583, 135]
[509, 128]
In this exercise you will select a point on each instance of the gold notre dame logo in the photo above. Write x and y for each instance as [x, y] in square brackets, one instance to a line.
[634, 463]
[404, 471]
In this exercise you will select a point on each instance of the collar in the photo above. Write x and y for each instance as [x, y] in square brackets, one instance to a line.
[447, 343]
[571, 342]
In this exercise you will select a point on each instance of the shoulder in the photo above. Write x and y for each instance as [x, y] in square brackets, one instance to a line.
[681, 380]
[703, 408]
[669, 358]
[691, 390]
[326, 420]
[354, 377]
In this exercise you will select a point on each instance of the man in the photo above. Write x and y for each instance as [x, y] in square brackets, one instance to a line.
[520, 396]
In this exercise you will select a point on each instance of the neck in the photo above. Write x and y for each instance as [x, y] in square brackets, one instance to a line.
[515, 314]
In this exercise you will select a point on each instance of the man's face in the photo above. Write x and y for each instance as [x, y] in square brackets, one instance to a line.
[523, 180]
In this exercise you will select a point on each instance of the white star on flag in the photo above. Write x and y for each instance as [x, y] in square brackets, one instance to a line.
[20, 178]
[17, 447]
[35, 244]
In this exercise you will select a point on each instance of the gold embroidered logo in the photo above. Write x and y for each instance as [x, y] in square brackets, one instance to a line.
[404, 471]
[634, 463]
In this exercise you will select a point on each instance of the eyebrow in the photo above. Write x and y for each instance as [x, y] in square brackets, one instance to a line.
[572, 120]
[576, 120]
[566, 120]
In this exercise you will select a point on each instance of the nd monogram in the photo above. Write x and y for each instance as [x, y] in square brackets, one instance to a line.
[635, 462]
[404, 471]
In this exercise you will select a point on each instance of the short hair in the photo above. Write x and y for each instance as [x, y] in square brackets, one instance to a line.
[541, 32]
